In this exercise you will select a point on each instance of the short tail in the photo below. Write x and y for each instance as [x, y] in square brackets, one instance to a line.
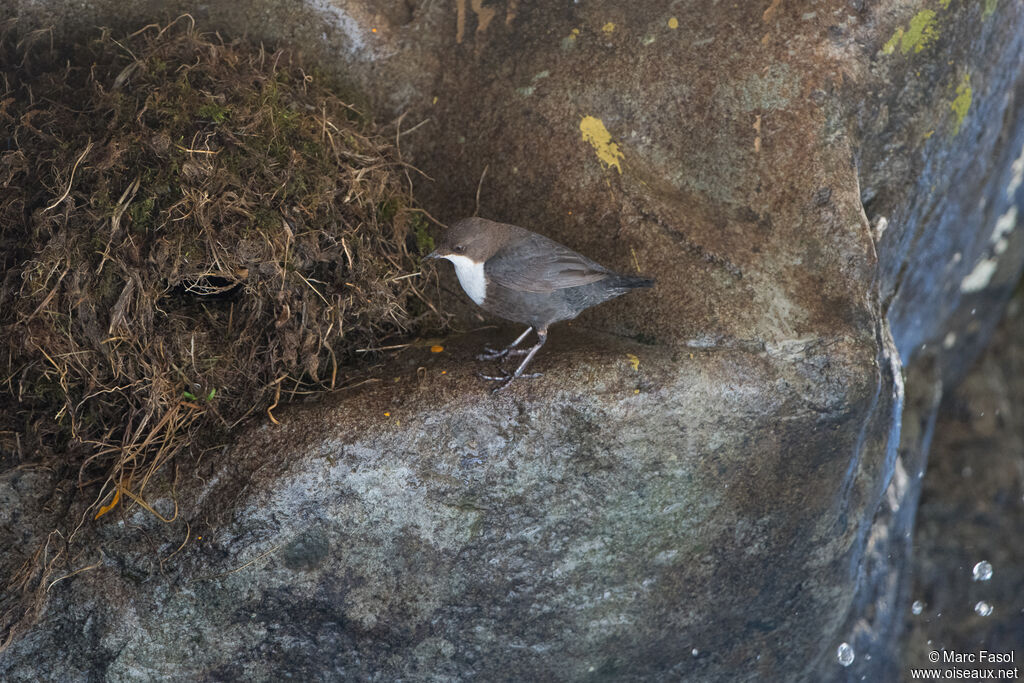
[633, 281]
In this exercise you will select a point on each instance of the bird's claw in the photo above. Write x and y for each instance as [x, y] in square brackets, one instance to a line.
[500, 354]
[492, 354]
[493, 378]
[506, 378]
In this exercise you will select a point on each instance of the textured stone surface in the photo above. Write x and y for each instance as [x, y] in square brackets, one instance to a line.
[559, 533]
[942, 148]
[734, 507]
[940, 115]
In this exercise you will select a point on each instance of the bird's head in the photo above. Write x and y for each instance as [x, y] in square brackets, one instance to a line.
[473, 239]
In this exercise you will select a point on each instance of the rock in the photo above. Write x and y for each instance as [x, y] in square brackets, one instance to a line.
[942, 134]
[734, 507]
[493, 538]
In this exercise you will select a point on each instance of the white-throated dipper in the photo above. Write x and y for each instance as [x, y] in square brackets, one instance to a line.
[521, 276]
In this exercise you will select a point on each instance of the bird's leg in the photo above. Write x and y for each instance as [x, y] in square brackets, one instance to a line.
[542, 336]
[493, 354]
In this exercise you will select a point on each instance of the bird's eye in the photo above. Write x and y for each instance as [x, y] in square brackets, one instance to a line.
[459, 249]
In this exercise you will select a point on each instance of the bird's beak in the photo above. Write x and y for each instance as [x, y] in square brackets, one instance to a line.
[433, 254]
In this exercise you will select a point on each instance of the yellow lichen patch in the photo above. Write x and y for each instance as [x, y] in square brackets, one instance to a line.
[962, 103]
[600, 139]
[569, 41]
[673, 23]
[944, 4]
[890, 45]
[990, 8]
[608, 28]
[919, 34]
[634, 360]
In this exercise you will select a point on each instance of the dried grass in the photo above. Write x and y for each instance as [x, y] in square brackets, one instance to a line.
[192, 230]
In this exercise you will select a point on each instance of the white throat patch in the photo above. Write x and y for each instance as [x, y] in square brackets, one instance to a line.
[471, 277]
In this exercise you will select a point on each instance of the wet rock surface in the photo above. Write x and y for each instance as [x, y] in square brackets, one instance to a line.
[734, 506]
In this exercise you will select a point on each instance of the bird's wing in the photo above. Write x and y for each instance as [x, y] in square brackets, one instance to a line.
[540, 265]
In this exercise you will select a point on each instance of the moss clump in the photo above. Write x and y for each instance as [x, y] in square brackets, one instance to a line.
[191, 230]
[217, 113]
[424, 240]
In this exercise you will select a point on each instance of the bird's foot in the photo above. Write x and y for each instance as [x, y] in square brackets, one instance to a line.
[505, 378]
[510, 350]
[492, 354]
[496, 354]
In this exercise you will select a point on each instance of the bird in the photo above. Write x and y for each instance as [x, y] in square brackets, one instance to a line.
[525, 277]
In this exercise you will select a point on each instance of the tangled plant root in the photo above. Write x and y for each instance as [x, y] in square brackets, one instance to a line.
[191, 231]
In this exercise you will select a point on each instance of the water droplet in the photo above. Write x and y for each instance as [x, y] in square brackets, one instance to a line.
[917, 607]
[845, 654]
[983, 609]
[982, 571]
[694, 652]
